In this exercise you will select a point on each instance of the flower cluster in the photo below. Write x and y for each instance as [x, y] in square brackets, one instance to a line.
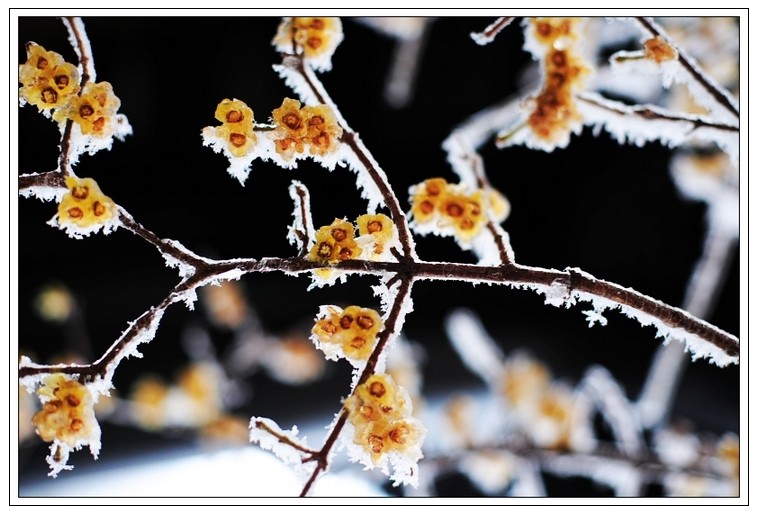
[380, 412]
[67, 417]
[47, 80]
[438, 206]
[84, 208]
[350, 332]
[314, 127]
[236, 127]
[547, 412]
[555, 114]
[195, 401]
[337, 242]
[316, 38]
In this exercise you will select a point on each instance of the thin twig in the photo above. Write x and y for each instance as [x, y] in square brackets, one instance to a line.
[489, 34]
[653, 112]
[720, 95]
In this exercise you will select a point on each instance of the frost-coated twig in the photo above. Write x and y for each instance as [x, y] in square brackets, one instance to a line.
[714, 90]
[489, 34]
[668, 364]
[392, 327]
[653, 112]
[359, 150]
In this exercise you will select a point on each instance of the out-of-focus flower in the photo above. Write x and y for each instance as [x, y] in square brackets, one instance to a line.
[55, 303]
[226, 304]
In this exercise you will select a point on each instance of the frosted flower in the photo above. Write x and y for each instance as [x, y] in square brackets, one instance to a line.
[67, 418]
[236, 129]
[380, 414]
[94, 111]
[84, 208]
[351, 332]
[450, 209]
[378, 234]
[315, 38]
[335, 243]
[47, 80]
[324, 131]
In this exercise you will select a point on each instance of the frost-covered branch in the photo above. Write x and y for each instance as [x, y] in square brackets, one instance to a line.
[301, 78]
[719, 95]
[489, 34]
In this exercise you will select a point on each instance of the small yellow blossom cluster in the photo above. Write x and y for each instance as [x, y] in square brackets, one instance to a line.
[440, 205]
[236, 127]
[380, 411]
[317, 38]
[67, 414]
[352, 331]
[314, 127]
[194, 401]
[547, 412]
[85, 206]
[337, 242]
[555, 113]
[49, 82]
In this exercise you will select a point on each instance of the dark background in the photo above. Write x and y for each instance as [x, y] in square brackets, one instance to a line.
[611, 210]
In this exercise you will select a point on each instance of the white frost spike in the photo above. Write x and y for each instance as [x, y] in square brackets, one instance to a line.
[301, 216]
[77, 35]
[76, 232]
[90, 143]
[478, 351]
[643, 124]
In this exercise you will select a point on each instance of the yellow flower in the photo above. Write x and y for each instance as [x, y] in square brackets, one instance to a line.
[94, 110]
[317, 38]
[354, 330]
[235, 112]
[380, 230]
[659, 50]
[324, 131]
[67, 413]
[425, 199]
[236, 129]
[335, 243]
[85, 205]
[289, 119]
[47, 81]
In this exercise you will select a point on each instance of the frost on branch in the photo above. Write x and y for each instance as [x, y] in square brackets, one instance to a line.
[283, 443]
